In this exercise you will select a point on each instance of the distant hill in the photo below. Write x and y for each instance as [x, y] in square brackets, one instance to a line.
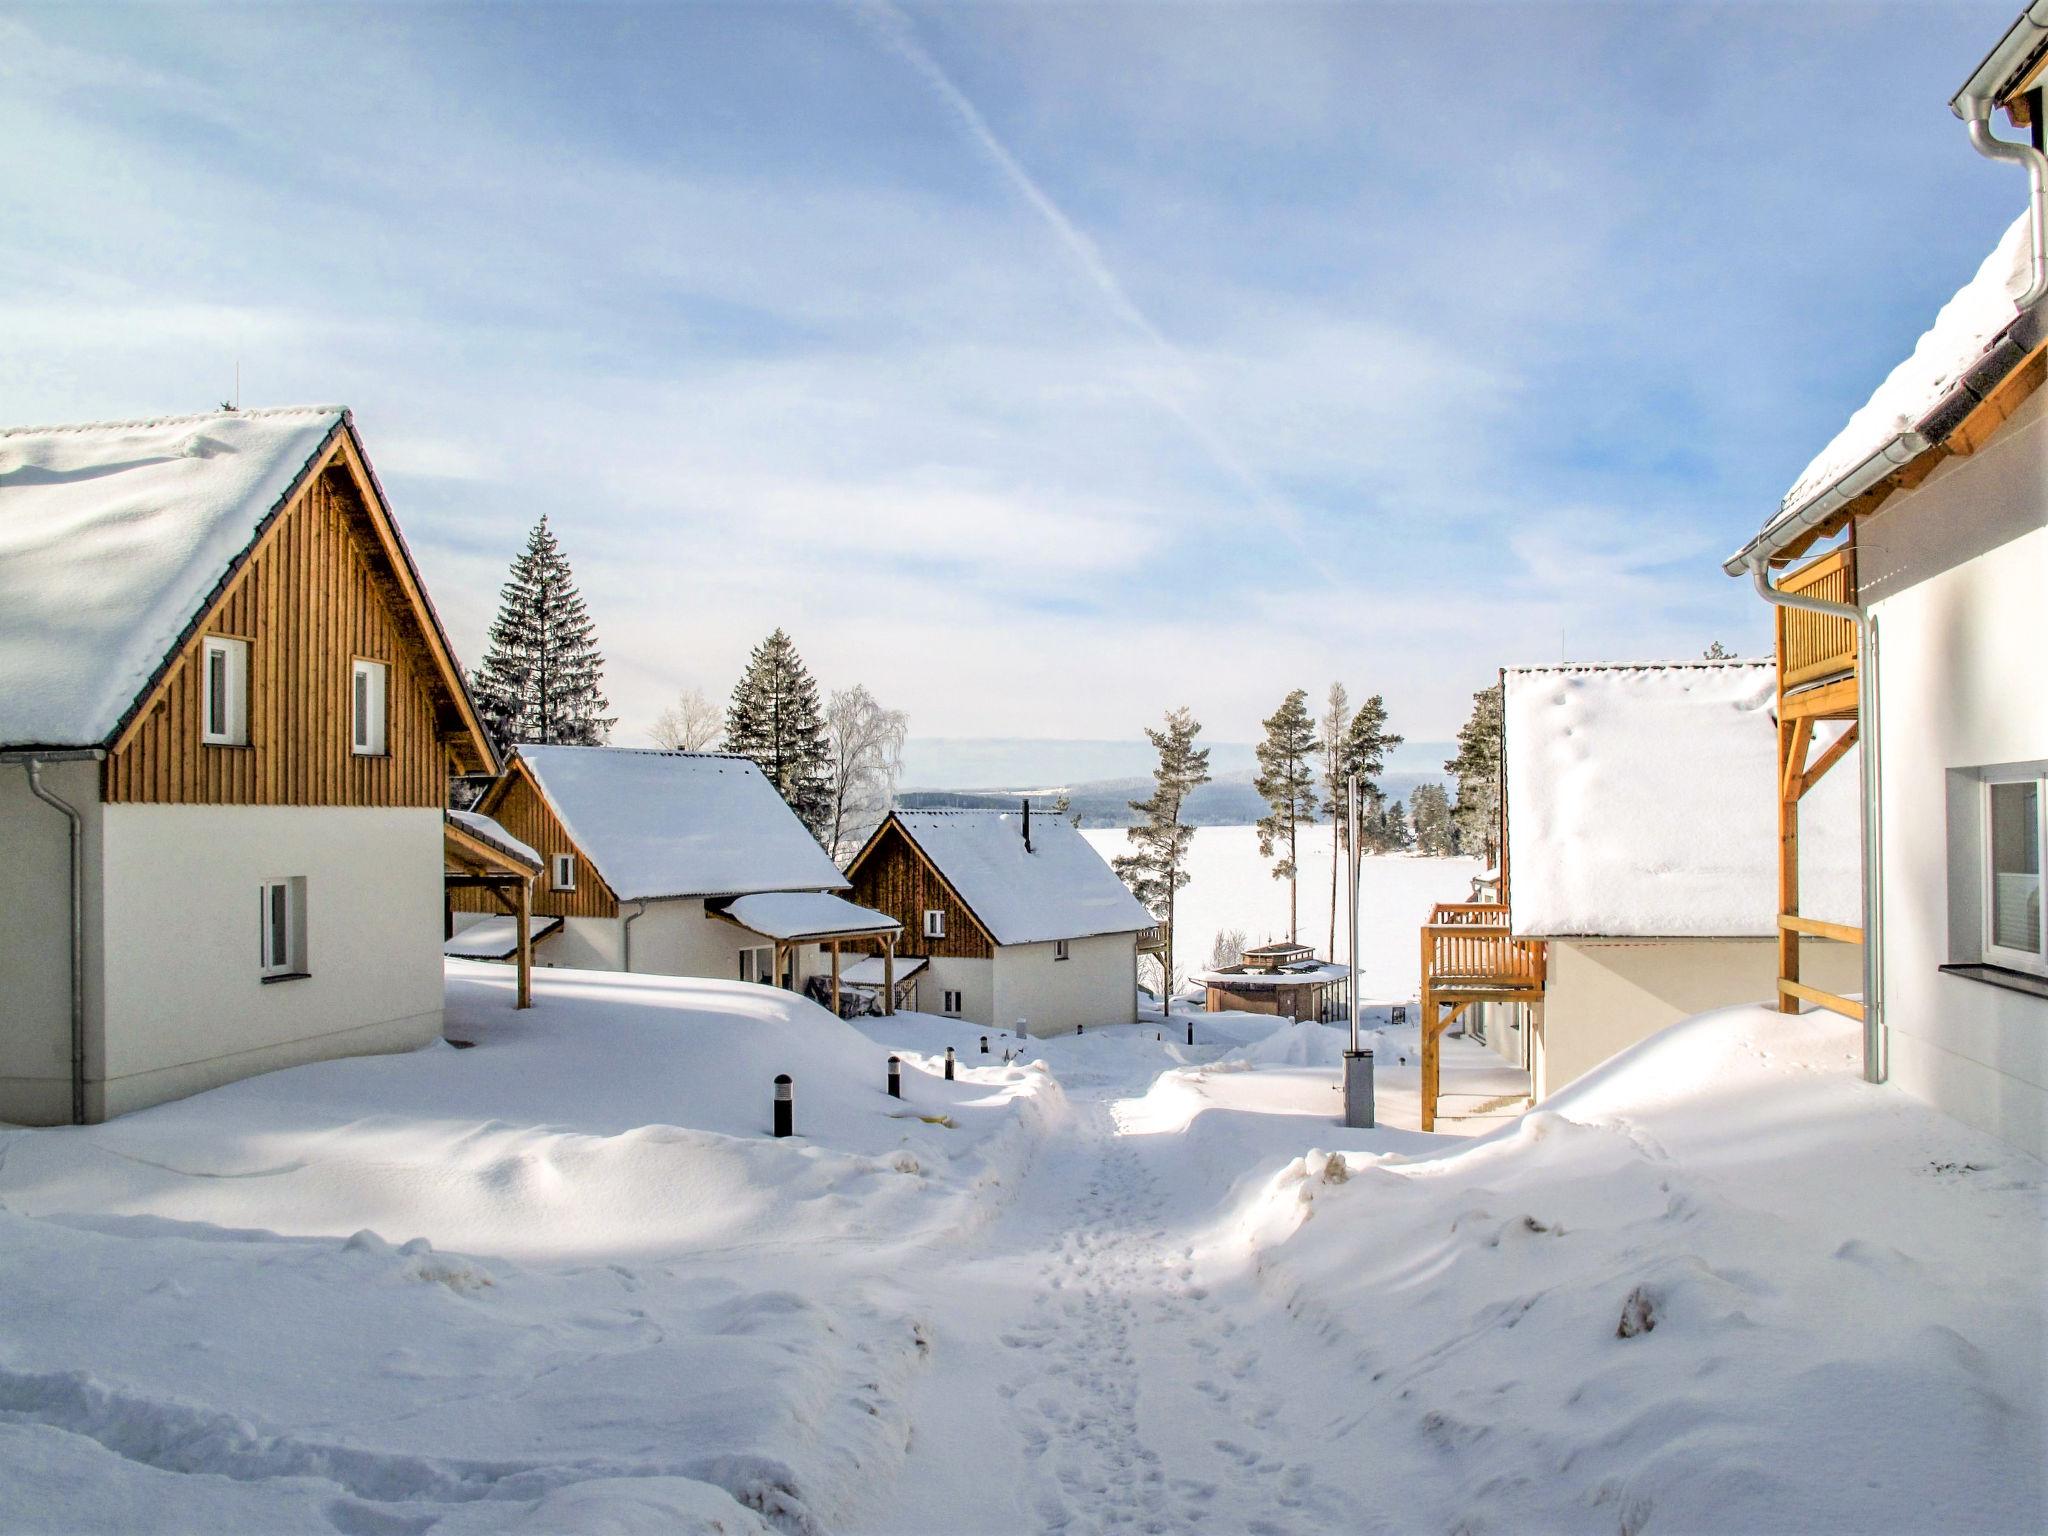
[1227, 801]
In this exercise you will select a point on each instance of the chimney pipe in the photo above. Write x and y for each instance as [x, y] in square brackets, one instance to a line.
[1027, 824]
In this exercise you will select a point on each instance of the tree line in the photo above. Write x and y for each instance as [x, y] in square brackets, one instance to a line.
[835, 761]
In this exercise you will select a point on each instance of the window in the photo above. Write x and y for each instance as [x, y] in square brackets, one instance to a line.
[1059, 949]
[952, 1002]
[2013, 835]
[758, 965]
[934, 924]
[282, 928]
[562, 875]
[372, 683]
[224, 692]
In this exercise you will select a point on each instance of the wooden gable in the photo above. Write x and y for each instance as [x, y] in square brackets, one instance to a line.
[892, 875]
[516, 803]
[325, 583]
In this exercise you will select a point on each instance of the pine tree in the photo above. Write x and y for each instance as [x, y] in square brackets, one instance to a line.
[1390, 831]
[1475, 817]
[1717, 652]
[1367, 743]
[1336, 789]
[775, 719]
[1157, 865]
[542, 672]
[1430, 809]
[1287, 782]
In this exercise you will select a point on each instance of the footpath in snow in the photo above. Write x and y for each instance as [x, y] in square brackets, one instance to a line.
[564, 1282]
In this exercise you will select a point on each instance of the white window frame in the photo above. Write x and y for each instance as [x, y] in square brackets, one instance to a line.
[2035, 962]
[562, 872]
[281, 928]
[952, 1002]
[229, 687]
[935, 922]
[370, 708]
[1060, 951]
[760, 959]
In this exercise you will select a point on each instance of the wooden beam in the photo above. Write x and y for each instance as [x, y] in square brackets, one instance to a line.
[1830, 701]
[1792, 758]
[1791, 745]
[1827, 759]
[835, 979]
[1848, 1007]
[1992, 412]
[1813, 927]
[524, 917]
[889, 976]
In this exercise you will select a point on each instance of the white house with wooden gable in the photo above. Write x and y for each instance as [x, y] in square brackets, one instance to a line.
[228, 717]
[1638, 863]
[1909, 566]
[1008, 916]
[672, 863]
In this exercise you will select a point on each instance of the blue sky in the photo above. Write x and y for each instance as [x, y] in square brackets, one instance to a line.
[1040, 366]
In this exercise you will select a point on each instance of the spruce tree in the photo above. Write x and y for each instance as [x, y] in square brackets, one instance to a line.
[1475, 817]
[1157, 866]
[1390, 831]
[542, 673]
[1430, 810]
[1367, 741]
[1287, 782]
[775, 719]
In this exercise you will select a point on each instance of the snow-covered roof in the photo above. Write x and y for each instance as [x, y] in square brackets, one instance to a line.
[496, 938]
[806, 915]
[868, 971]
[1060, 889]
[1642, 802]
[1961, 335]
[484, 828]
[679, 823]
[1294, 976]
[112, 538]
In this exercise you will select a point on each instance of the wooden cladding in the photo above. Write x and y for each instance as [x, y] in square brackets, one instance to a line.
[892, 876]
[1816, 645]
[517, 805]
[311, 599]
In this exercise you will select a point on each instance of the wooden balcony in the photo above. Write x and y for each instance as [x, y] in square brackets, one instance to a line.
[1469, 956]
[1815, 647]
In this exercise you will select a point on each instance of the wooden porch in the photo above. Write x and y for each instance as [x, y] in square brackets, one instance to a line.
[1818, 678]
[1469, 956]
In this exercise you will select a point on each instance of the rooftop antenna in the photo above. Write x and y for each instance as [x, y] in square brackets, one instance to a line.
[1027, 824]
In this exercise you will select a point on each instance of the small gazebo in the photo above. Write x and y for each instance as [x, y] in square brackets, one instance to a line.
[1286, 980]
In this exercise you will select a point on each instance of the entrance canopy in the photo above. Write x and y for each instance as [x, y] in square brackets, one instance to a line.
[478, 854]
[808, 917]
[497, 938]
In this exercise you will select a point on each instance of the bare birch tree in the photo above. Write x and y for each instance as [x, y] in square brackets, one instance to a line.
[867, 759]
[691, 724]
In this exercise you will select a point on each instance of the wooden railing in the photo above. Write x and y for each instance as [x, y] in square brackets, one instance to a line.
[1152, 941]
[1816, 645]
[1468, 943]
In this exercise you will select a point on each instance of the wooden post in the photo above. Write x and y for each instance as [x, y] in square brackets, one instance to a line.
[889, 975]
[784, 967]
[524, 918]
[1793, 736]
[1426, 1069]
[835, 977]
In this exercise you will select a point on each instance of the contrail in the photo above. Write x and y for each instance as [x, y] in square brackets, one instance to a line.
[896, 31]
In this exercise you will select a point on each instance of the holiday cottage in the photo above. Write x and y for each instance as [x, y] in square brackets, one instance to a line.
[228, 717]
[1012, 919]
[673, 864]
[1914, 559]
[1637, 858]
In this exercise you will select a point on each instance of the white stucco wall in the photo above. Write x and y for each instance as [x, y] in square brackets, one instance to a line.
[185, 1004]
[1956, 572]
[974, 980]
[1604, 995]
[35, 952]
[1095, 984]
[581, 943]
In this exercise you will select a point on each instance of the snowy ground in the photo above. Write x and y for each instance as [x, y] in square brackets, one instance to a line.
[1233, 887]
[1147, 1287]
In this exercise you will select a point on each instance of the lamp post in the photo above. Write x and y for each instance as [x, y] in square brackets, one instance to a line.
[1357, 1060]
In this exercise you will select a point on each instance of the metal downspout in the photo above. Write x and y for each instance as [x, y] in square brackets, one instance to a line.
[626, 936]
[71, 814]
[1876, 1067]
[1990, 148]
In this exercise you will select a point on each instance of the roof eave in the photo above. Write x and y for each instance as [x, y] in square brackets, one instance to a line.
[2005, 66]
[1994, 365]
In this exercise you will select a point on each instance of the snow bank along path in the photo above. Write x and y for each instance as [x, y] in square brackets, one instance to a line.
[563, 1282]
